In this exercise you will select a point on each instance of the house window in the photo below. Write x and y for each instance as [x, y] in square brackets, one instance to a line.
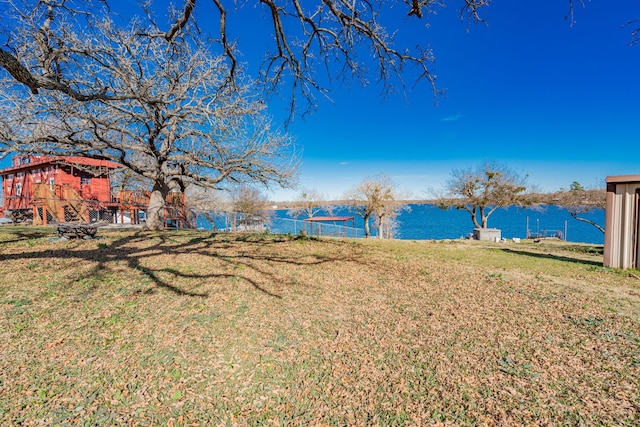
[51, 183]
[19, 189]
[85, 180]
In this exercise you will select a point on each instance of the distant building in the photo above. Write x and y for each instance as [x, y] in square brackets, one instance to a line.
[622, 223]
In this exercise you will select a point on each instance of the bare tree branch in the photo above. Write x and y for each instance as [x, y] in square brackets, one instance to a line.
[182, 21]
[570, 14]
[578, 201]
[635, 33]
[18, 71]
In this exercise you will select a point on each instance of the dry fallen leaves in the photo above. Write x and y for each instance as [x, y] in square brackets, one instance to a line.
[191, 328]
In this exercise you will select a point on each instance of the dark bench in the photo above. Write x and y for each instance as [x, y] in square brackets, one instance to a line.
[79, 231]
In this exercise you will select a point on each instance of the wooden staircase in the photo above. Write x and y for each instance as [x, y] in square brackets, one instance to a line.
[75, 207]
[62, 205]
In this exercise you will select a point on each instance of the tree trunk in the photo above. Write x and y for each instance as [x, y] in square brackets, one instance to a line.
[155, 212]
[380, 228]
[474, 218]
[367, 232]
[484, 218]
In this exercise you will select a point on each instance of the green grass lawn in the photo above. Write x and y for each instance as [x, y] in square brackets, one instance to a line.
[197, 328]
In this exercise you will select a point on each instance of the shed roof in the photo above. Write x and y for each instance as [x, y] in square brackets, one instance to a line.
[622, 179]
[329, 218]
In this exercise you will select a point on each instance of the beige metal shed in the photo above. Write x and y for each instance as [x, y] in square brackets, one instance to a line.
[622, 223]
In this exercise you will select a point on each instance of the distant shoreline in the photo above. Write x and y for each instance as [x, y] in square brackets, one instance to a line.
[294, 204]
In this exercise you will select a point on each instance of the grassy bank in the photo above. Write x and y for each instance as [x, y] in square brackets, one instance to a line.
[185, 328]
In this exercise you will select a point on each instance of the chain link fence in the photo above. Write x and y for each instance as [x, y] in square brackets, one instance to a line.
[295, 226]
[222, 221]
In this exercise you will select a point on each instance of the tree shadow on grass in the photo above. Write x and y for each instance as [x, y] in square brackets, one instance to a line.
[237, 251]
[552, 256]
[23, 234]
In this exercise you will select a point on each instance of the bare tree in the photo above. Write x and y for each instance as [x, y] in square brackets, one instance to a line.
[376, 197]
[386, 219]
[250, 209]
[483, 190]
[577, 201]
[308, 203]
[167, 114]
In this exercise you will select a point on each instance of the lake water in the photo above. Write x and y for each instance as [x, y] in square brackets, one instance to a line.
[425, 222]
[431, 222]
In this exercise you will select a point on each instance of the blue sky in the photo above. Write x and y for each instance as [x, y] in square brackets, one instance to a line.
[560, 102]
[529, 90]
